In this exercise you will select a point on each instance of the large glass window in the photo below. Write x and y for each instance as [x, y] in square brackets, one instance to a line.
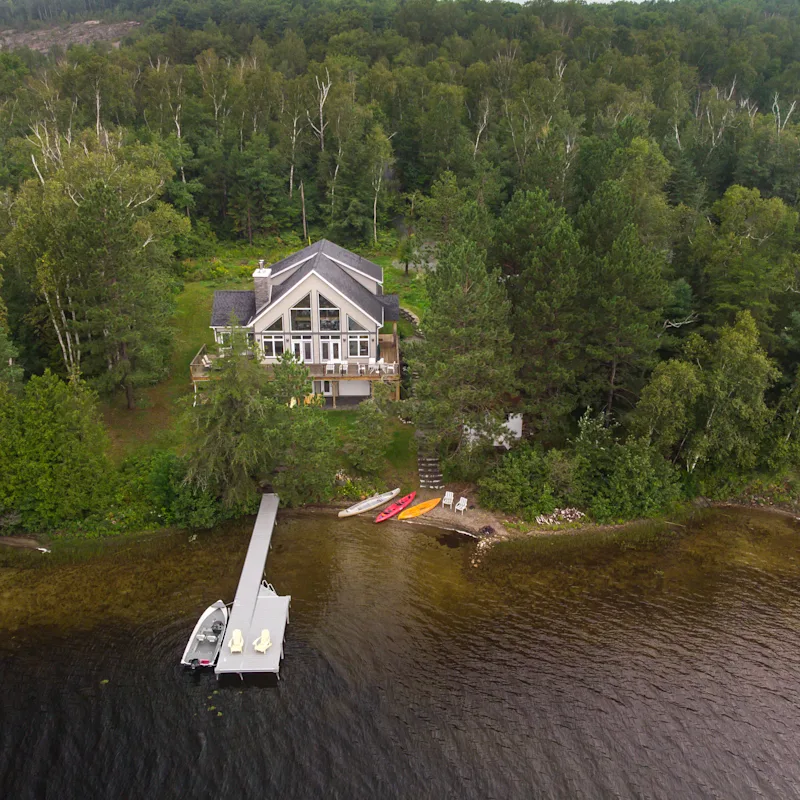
[358, 345]
[328, 315]
[276, 326]
[301, 315]
[352, 325]
[273, 346]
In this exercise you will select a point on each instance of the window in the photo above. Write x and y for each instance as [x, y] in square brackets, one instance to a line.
[273, 346]
[301, 315]
[328, 315]
[358, 345]
[352, 325]
[276, 326]
[224, 338]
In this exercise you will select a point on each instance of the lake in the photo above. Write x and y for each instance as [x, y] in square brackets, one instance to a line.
[663, 663]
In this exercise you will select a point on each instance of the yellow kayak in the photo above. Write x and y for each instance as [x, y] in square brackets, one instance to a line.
[419, 509]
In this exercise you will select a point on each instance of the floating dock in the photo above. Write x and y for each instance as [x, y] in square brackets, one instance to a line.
[256, 606]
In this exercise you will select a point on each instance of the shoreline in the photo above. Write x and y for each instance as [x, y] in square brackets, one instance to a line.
[504, 529]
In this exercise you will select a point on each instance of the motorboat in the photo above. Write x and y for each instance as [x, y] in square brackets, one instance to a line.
[206, 639]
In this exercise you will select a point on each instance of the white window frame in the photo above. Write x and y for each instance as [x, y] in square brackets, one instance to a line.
[321, 308]
[310, 310]
[268, 345]
[358, 339]
[303, 341]
[358, 327]
[335, 343]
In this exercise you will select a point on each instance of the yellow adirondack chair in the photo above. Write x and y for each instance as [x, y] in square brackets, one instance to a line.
[263, 642]
[237, 642]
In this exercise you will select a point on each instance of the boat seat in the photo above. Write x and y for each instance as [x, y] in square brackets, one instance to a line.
[263, 642]
[211, 638]
[201, 637]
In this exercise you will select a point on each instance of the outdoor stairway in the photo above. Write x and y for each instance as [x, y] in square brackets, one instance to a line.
[430, 474]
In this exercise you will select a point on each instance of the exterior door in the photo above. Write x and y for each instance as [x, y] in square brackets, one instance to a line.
[323, 388]
[331, 350]
[302, 349]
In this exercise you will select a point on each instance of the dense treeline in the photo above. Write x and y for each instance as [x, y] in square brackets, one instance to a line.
[614, 192]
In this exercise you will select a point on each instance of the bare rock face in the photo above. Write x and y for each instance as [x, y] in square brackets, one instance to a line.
[44, 39]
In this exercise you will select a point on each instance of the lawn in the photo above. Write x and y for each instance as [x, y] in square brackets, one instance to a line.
[401, 455]
[156, 420]
[409, 288]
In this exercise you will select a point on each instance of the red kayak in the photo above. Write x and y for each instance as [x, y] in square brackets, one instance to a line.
[396, 507]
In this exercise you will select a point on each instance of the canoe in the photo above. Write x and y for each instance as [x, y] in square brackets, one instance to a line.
[370, 503]
[206, 639]
[396, 507]
[419, 509]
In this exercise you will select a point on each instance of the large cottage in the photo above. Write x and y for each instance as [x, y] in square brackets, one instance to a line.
[325, 305]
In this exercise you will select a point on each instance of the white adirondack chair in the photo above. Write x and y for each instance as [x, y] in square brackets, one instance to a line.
[330, 368]
[461, 505]
[448, 500]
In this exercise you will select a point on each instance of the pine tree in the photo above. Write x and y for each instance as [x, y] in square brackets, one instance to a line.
[465, 367]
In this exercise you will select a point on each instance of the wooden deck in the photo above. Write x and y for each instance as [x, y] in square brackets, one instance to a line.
[202, 366]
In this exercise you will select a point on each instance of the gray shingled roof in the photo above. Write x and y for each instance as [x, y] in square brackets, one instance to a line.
[243, 304]
[332, 252]
[391, 307]
[339, 278]
[321, 257]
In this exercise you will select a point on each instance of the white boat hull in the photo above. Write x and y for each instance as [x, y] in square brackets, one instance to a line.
[370, 503]
[205, 642]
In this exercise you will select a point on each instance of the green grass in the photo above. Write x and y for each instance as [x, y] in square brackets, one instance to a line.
[401, 455]
[409, 288]
[156, 420]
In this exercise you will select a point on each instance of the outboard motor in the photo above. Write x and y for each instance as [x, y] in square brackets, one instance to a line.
[194, 664]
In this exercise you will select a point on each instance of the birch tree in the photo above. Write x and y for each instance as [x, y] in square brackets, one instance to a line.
[96, 244]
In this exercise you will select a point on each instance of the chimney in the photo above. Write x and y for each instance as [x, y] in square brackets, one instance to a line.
[262, 282]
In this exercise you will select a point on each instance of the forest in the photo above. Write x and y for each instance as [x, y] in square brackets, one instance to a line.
[600, 201]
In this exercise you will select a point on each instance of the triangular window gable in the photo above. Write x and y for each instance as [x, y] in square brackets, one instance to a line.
[325, 303]
[352, 325]
[276, 326]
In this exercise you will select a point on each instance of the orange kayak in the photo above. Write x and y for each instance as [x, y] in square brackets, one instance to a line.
[419, 509]
[396, 508]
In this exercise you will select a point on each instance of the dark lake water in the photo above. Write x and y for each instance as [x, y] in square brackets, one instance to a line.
[645, 666]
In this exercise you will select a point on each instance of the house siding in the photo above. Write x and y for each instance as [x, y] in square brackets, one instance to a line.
[314, 285]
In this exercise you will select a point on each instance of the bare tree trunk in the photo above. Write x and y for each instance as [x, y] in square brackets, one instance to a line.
[323, 89]
[303, 201]
[611, 387]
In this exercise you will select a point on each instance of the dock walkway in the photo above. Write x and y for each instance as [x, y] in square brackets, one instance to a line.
[256, 606]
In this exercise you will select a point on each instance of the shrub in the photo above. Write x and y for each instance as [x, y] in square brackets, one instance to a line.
[367, 440]
[53, 468]
[619, 481]
[522, 483]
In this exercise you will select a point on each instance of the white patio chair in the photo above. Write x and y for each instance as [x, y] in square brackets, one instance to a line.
[343, 367]
[362, 369]
[373, 367]
[330, 368]
[448, 500]
[389, 369]
[461, 505]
